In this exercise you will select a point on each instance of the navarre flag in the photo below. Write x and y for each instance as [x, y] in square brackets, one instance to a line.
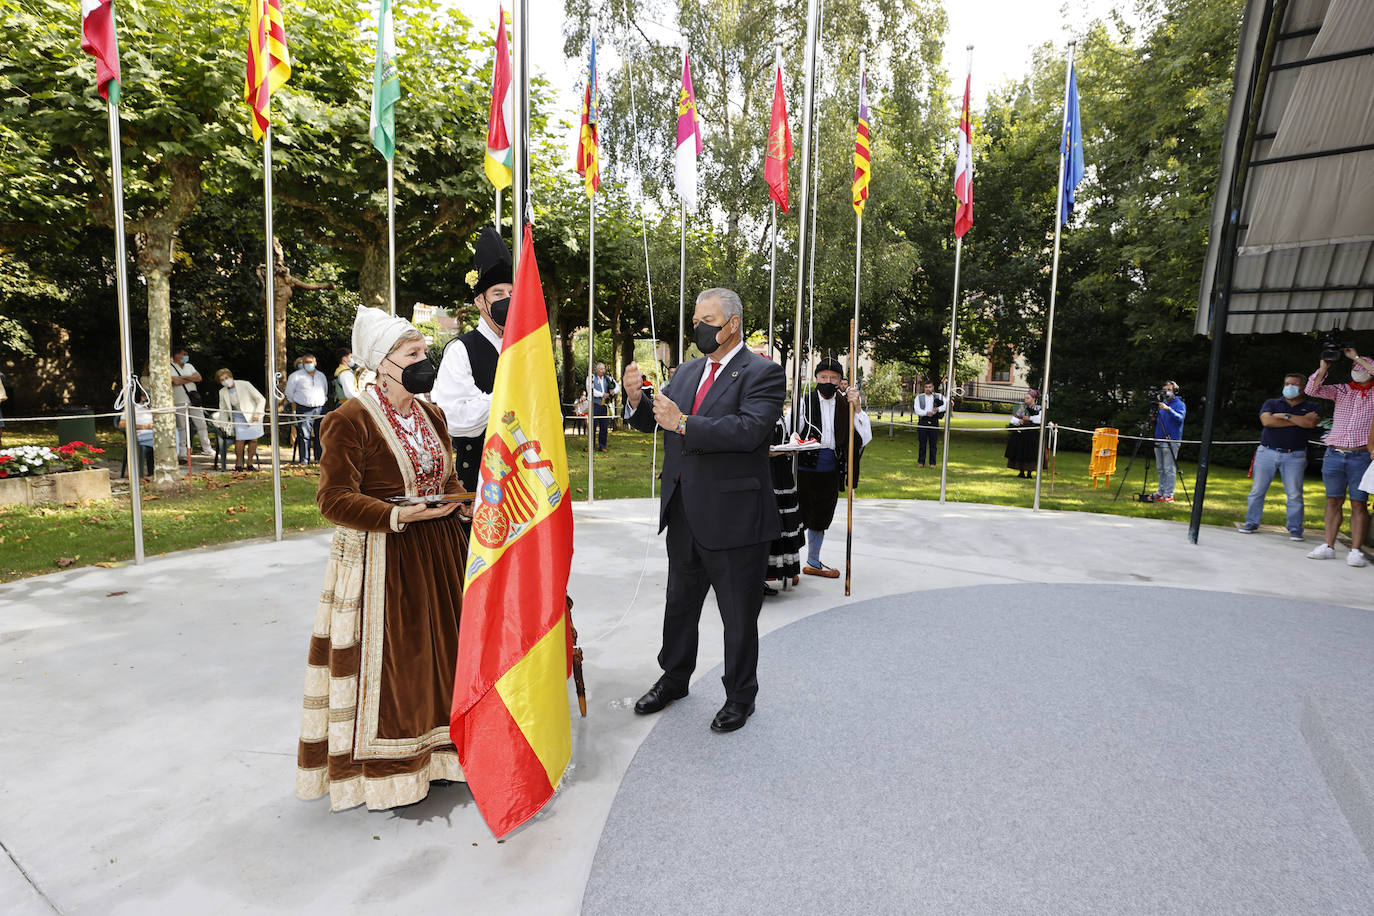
[269, 63]
[98, 40]
[510, 719]
[498, 162]
[1070, 149]
[588, 149]
[688, 140]
[386, 84]
[779, 146]
[963, 169]
[862, 169]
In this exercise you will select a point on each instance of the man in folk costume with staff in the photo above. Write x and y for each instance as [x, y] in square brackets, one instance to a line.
[468, 369]
[821, 473]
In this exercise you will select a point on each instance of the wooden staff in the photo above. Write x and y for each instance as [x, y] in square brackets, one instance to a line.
[849, 459]
[577, 663]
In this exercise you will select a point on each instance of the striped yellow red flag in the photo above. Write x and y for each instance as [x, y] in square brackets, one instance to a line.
[269, 63]
[510, 719]
[862, 165]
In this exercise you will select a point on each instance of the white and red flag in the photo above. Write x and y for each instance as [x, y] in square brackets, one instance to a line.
[98, 40]
[963, 170]
[688, 140]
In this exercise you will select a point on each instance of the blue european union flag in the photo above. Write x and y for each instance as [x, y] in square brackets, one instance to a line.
[1070, 149]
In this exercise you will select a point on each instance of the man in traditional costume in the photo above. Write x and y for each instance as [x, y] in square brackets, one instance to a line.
[821, 474]
[468, 369]
[379, 679]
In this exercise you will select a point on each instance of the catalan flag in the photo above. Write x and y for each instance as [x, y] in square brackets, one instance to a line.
[269, 63]
[98, 40]
[510, 719]
[862, 168]
[498, 162]
[588, 147]
[963, 169]
[688, 140]
[779, 146]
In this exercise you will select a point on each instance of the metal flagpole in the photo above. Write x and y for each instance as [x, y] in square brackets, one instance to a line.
[949, 372]
[858, 249]
[812, 28]
[591, 347]
[133, 467]
[682, 283]
[498, 211]
[519, 196]
[1054, 286]
[271, 329]
[391, 231]
[849, 456]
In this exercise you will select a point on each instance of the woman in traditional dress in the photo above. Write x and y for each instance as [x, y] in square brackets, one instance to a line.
[379, 681]
[1025, 436]
[784, 556]
[241, 407]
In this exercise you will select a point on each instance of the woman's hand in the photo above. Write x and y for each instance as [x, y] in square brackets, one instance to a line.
[422, 513]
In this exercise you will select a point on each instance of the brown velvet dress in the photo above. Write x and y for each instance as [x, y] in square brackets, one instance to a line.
[379, 678]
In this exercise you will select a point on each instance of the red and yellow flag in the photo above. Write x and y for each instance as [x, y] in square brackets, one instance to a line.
[862, 166]
[779, 147]
[510, 719]
[499, 161]
[269, 63]
[588, 141]
[963, 169]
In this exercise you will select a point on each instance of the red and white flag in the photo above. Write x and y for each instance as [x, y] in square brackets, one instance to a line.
[98, 40]
[963, 170]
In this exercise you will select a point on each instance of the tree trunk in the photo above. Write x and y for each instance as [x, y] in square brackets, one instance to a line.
[569, 386]
[617, 341]
[155, 264]
[374, 277]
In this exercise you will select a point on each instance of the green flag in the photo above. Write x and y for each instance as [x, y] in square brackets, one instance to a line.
[386, 85]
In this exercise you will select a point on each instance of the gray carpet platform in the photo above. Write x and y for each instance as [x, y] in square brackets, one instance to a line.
[1017, 749]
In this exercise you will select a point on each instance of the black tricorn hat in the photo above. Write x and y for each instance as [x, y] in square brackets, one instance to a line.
[831, 363]
[491, 260]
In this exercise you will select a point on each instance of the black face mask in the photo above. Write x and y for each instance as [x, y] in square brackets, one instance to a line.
[500, 309]
[827, 389]
[419, 378]
[705, 335]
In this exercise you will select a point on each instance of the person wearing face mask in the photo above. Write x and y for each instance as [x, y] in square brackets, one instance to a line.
[468, 368]
[345, 379]
[379, 676]
[1168, 433]
[821, 474]
[241, 408]
[308, 389]
[187, 399]
[717, 503]
[1347, 454]
[1287, 421]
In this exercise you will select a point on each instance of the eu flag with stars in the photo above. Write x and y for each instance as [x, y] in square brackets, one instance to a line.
[1070, 149]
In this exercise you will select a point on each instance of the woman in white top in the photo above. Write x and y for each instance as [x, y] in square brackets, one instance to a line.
[241, 407]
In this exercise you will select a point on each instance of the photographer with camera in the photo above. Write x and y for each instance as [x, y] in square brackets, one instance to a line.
[1347, 449]
[1169, 413]
[1282, 450]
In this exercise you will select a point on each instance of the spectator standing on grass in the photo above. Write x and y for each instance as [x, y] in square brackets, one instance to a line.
[1168, 434]
[186, 399]
[143, 431]
[308, 389]
[929, 407]
[345, 377]
[241, 408]
[1287, 422]
[1347, 454]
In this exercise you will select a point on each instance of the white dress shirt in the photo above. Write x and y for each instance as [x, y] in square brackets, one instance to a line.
[862, 425]
[706, 371]
[307, 389]
[465, 406]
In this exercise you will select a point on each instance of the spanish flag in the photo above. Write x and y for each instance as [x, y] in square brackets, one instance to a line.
[269, 62]
[588, 143]
[510, 719]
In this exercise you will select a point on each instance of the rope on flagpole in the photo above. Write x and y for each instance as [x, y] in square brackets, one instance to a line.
[648, 273]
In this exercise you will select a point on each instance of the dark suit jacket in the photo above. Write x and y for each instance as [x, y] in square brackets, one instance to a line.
[721, 465]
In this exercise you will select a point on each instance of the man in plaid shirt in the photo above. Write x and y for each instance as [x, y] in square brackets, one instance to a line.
[1347, 453]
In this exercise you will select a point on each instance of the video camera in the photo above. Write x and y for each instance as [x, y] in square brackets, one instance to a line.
[1332, 349]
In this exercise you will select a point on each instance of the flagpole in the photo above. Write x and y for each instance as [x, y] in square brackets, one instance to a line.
[953, 336]
[591, 347]
[498, 211]
[1054, 285]
[849, 454]
[271, 329]
[133, 466]
[519, 196]
[682, 282]
[391, 230]
[812, 28]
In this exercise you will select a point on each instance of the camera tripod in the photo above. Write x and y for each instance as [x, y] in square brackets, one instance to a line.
[1144, 494]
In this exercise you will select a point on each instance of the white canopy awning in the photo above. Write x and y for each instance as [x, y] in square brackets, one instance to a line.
[1304, 247]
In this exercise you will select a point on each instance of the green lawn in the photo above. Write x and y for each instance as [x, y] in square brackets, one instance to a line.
[221, 507]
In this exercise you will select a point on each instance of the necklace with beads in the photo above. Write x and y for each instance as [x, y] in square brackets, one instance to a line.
[425, 452]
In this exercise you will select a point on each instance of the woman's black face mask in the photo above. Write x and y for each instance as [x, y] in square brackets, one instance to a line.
[419, 377]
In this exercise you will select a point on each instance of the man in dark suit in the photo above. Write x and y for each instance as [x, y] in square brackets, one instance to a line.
[717, 503]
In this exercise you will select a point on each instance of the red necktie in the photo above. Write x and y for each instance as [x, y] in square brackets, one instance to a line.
[701, 394]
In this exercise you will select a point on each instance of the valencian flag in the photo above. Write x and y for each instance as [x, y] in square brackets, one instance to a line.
[862, 168]
[1070, 149]
[386, 84]
[510, 720]
[269, 64]
[498, 163]
[779, 147]
[98, 40]
[588, 149]
[688, 140]
[963, 170]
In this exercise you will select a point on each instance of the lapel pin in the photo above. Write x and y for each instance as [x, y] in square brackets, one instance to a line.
[734, 374]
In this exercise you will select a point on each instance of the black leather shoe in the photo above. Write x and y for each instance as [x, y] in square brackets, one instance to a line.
[659, 696]
[732, 716]
[768, 590]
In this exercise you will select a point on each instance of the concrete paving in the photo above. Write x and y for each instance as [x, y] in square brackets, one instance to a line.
[152, 712]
